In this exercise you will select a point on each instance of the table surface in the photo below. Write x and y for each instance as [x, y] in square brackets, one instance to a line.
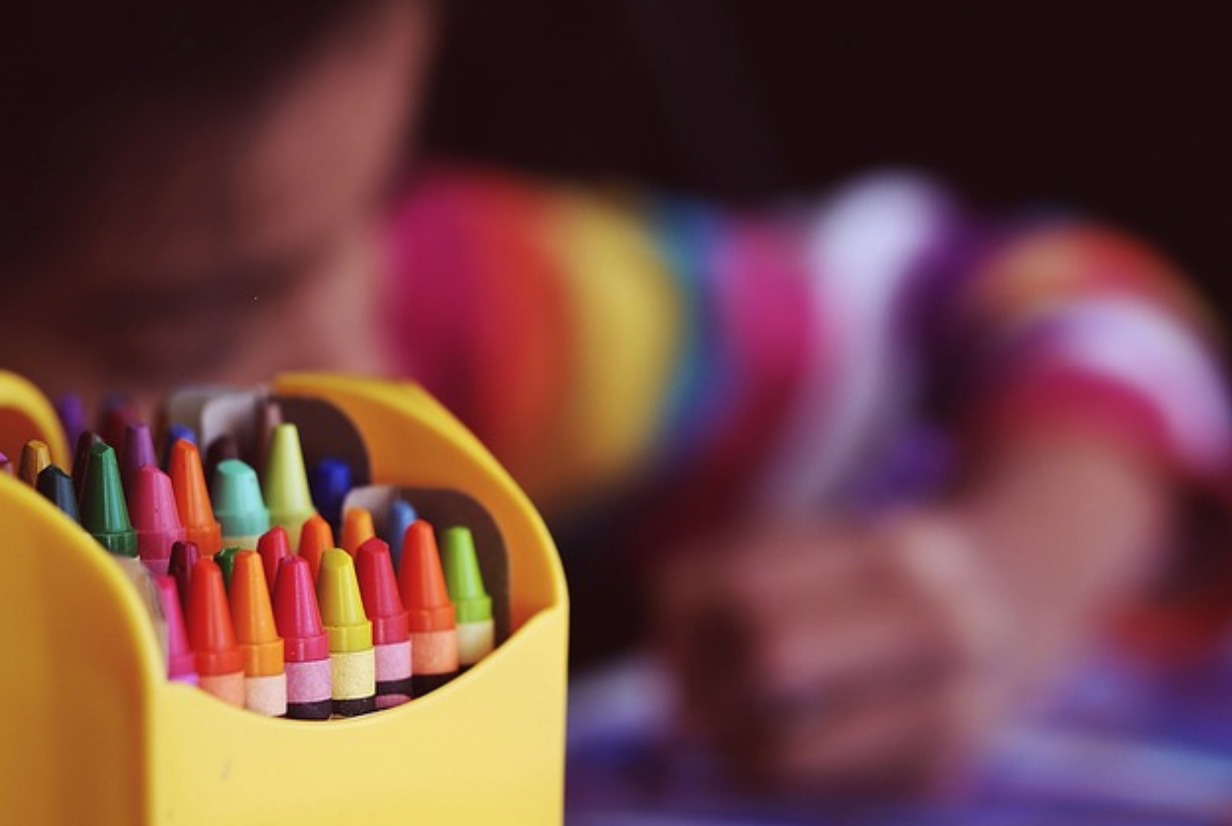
[1119, 743]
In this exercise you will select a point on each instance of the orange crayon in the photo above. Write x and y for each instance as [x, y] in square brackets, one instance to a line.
[220, 664]
[430, 613]
[192, 498]
[357, 528]
[265, 679]
[315, 538]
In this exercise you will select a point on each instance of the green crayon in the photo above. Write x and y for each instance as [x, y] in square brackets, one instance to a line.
[104, 512]
[286, 483]
[476, 630]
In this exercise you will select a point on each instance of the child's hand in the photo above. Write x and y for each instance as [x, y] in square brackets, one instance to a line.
[838, 657]
[850, 657]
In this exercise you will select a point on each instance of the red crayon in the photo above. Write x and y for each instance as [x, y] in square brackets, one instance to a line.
[391, 636]
[181, 662]
[273, 546]
[118, 413]
[184, 557]
[152, 509]
[220, 663]
[306, 653]
[434, 630]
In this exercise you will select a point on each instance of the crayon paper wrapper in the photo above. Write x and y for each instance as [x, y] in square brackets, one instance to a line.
[475, 641]
[354, 674]
[393, 662]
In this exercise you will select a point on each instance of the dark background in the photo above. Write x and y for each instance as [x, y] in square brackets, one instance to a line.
[1106, 109]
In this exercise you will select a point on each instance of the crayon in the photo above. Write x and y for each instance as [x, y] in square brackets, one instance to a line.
[306, 644]
[399, 518]
[238, 505]
[434, 633]
[473, 606]
[218, 451]
[81, 458]
[35, 455]
[104, 512]
[57, 487]
[286, 482]
[357, 529]
[330, 481]
[220, 664]
[265, 681]
[273, 546]
[174, 434]
[181, 662]
[154, 517]
[138, 451]
[315, 538]
[391, 638]
[352, 659]
[226, 562]
[72, 414]
[118, 411]
[192, 498]
[269, 417]
[184, 558]
[6, 465]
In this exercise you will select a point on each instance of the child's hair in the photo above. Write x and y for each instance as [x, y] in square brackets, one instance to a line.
[83, 82]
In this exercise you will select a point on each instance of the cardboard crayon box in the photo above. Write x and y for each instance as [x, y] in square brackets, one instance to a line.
[93, 732]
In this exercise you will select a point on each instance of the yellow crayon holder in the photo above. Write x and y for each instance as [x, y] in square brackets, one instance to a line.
[93, 732]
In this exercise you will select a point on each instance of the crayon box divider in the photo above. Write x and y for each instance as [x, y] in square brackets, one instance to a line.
[95, 733]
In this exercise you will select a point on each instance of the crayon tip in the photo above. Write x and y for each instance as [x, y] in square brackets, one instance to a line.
[463, 578]
[181, 662]
[81, 459]
[315, 538]
[422, 583]
[192, 499]
[175, 433]
[286, 481]
[57, 486]
[118, 411]
[296, 614]
[218, 451]
[154, 516]
[269, 417]
[330, 482]
[138, 451]
[184, 557]
[226, 563]
[104, 512]
[210, 632]
[342, 607]
[399, 518]
[6, 466]
[253, 617]
[357, 528]
[35, 455]
[236, 495]
[72, 414]
[379, 588]
[273, 546]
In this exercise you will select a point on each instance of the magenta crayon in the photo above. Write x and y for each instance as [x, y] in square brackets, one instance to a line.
[273, 547]
[265, 680]
[81, 458]
[57, 487]
[305, 642]
[117, 413]
[184, 557]
[35, 455]
[391, 636]
[352, 659]
[6, 466]
[181, 662]
[434, 631]
[152, 508]
[220, 665]
[138, 451]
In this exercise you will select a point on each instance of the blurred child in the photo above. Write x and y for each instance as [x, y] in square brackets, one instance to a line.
[203, 193]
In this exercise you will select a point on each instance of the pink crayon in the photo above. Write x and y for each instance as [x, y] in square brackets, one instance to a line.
[181, 664]
[154, 517]
[391, 636]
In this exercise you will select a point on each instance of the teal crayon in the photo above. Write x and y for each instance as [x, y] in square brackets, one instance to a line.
[238, 504]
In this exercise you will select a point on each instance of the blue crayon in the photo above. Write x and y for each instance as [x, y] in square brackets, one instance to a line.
[57, 486]
[399, 518]
[329, 483]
